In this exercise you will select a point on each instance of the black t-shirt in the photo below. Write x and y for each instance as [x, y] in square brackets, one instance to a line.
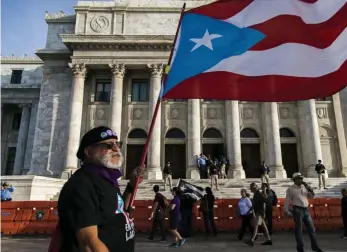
[161, 203]
[258, 203]
[87, 200]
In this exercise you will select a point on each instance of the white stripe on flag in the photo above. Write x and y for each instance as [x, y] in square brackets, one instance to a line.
[284, 59]
[262, 10]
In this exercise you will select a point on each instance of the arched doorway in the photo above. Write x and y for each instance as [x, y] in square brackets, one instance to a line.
[289, 151]
[213, 143]
[250, 153]
[135, 144]
[175, 152]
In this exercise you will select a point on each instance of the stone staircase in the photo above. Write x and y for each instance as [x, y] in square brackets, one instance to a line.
[230, 188]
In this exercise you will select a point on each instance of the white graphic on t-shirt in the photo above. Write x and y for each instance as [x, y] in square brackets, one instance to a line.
[129, 225]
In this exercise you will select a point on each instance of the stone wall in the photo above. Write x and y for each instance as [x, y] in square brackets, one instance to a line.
[53, 35]
[32, 73]
[48, 153]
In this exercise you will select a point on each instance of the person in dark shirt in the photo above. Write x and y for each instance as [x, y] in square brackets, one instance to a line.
[158, 215]
[259, 202]
[320, 169]
[187, 205]
[268, 206]
[175, 218]
[208, 211]
[344, 211]
[92, 211]
[213, 174]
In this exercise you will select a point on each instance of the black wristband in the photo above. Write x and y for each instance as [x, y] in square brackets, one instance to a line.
[129, 188]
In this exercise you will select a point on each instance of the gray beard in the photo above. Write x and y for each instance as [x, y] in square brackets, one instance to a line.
[106, 161]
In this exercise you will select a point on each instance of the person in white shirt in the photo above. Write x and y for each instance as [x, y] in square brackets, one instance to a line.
[298, 194]
[246, 213]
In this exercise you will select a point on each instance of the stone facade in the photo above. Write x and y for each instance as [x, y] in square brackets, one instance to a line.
[103, 66]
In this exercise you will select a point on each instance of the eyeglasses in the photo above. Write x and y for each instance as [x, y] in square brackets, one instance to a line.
[110, 145]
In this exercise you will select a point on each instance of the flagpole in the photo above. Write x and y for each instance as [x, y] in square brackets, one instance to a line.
[155, 114]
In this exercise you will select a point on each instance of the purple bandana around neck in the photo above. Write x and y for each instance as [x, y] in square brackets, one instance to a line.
[111, 175]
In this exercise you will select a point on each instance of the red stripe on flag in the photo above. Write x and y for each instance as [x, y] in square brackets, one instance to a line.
[291, 29]
[271, 88]
[222, 9]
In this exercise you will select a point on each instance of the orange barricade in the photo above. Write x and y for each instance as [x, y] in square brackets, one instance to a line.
[41, 217]
[11, 214]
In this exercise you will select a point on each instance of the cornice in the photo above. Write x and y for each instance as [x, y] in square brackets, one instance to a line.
[60, 17]
[20, 59]
[118, 42]
[47, 54]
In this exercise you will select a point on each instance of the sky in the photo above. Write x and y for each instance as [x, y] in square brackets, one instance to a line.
[23, 26]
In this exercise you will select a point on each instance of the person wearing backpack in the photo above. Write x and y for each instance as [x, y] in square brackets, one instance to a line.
[93, 213]
[158, 215]
[270, 203]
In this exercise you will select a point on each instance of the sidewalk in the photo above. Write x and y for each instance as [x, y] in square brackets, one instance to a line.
[283, 242]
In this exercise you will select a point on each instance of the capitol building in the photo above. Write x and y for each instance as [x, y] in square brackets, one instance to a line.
[103, 65]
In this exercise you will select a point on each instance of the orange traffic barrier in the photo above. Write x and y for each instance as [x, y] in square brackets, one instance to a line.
[41, 217]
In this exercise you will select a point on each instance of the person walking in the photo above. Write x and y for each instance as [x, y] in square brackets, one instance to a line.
[175, 218]
[298, 194]
[246, 213]
[207, 209]
[158, 215]
[93, 214]
[167, 172]
[259, 201]
[321, 170]
[271, 201]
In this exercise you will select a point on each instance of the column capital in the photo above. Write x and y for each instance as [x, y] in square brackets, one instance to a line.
[78, 70]
[117, 70]
[156, 69]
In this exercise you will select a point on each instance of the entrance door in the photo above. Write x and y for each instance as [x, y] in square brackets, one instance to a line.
[176, 154]
[215, 150]
[251, 160]
[134, 153]
[290, 159]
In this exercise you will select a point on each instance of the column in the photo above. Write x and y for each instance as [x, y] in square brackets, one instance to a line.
[116, 99]
[194, 138]
[153, 159]
[341, 134]
[310, 139]
[75, 118]
[273, 152]
[233, 140]
[22, 140]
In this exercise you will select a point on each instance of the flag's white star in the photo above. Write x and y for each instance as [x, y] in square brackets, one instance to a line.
[206, 40]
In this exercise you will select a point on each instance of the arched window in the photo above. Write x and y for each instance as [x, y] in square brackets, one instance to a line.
[212, 133]
[137, 133]
[284, 132]
[249, 133]
[175, 133]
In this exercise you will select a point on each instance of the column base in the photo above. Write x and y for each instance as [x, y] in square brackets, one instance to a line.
[311, 172]
[154, 174]
[67, 172]
[238, 173]
[44, 173]
[278, 172]
[344, 172]
[193, 173]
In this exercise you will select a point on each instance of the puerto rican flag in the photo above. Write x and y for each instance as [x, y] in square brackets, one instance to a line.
[260, 50]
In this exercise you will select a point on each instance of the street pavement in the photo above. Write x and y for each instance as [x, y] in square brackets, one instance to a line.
[283, 242]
